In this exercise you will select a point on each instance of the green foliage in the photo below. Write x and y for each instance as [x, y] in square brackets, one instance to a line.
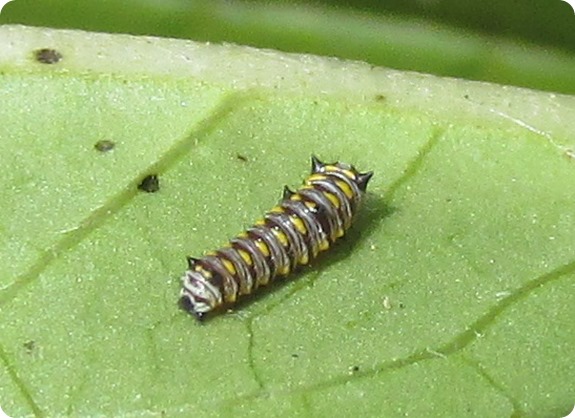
[451, 296]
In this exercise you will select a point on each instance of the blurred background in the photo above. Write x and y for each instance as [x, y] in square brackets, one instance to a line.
[529, 43]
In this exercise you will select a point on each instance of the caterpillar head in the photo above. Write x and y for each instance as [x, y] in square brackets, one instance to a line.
[198, 295]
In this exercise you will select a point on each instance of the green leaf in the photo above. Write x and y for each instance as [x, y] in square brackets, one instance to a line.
[451, 296]
[411, 35]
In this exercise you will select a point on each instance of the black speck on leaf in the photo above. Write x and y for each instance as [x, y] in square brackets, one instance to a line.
[104, 145]
[29, 345]
[150, 184]
[47, 56]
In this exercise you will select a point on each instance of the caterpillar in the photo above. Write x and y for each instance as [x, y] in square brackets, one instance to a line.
[304, 223]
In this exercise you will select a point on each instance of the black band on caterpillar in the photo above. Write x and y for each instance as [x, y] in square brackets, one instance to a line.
[291, 234]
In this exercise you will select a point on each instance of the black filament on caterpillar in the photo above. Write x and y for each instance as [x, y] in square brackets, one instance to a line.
[303, 224]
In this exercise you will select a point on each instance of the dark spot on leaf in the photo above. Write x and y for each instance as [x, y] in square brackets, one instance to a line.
[29, 346]
[295, 355]
[150, 184]
[104, 145]
[380, 98]
[401, 305]
[242, 158]
[355, 369]
[466, 96]
[47, 56]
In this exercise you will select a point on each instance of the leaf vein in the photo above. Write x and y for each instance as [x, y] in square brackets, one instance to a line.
[24, 390]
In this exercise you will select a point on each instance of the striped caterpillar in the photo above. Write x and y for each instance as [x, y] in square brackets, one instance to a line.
[303, 224]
